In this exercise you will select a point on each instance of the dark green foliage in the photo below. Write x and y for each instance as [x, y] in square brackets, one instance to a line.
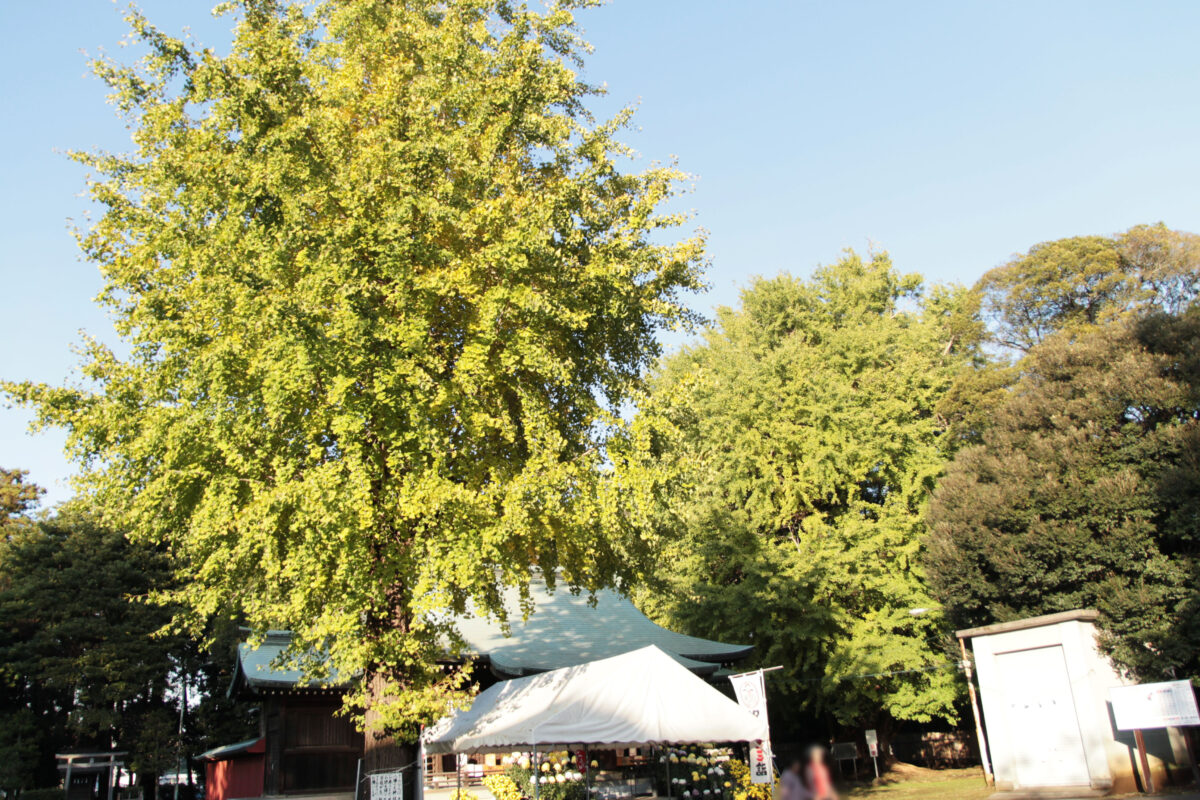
[1085, 492]
[17, 497]
[84, 661]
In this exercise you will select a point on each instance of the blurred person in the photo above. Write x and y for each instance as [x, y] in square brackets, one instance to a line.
[791, 783]
[817, 777]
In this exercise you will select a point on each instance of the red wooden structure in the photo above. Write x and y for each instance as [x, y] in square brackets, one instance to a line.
[235, 771]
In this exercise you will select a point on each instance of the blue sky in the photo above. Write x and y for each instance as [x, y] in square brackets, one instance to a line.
[952, 134]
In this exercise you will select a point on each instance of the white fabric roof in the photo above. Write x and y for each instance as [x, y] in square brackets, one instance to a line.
[643, 696]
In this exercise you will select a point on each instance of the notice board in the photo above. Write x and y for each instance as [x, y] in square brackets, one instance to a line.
[1154, 705]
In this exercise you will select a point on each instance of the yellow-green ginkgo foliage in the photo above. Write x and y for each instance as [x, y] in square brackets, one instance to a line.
[384, 284]
[812, 445]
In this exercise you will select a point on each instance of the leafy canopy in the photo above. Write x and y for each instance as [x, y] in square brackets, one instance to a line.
[809, 437]
[384, 284]
[1087, 280]
[1068, 285]
[1083, 493]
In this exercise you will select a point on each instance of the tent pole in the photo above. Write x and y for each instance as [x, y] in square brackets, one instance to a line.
[458, 776]
[537, 775]
[587, 771]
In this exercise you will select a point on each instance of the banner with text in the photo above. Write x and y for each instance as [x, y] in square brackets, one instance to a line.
[752, 696]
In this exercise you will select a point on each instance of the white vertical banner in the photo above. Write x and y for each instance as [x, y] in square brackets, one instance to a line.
[752, 695]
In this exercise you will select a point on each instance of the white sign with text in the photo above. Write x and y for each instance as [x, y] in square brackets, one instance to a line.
[1154, 705]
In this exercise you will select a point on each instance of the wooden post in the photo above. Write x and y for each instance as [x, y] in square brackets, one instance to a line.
[1147, 778]
[988, 777]
[1191, 748]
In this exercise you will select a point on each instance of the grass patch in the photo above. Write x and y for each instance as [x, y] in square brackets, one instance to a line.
[905, 782]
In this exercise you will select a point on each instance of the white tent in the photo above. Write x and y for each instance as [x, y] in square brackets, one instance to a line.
[641, 697]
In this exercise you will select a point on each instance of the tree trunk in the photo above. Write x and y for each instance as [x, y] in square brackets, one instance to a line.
[382, 751]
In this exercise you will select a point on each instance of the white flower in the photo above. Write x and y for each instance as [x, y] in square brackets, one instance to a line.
[560, 778]
[708, 791]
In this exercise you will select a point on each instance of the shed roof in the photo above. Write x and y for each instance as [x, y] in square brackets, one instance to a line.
[248, 747]
[1079, 614]
[564, 630]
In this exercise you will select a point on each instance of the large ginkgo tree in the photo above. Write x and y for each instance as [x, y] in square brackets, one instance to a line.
[382, 284]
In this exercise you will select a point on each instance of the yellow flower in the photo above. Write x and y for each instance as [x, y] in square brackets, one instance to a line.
[728, 784]
[557, 767]
[545, 766]
[595, 764]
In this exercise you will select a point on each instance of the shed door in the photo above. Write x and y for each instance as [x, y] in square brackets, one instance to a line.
[1043, 730]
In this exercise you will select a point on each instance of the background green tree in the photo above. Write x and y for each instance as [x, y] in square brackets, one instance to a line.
[385, 287]
[811, 442]
[1088, 280]
[18, 497]
[85, 660]
[21, 737]
[1084, 492]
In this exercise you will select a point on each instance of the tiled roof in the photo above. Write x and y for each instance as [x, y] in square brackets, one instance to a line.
[564, 630]
[258, 668]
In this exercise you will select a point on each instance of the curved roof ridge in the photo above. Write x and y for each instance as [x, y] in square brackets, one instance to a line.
[565, 629]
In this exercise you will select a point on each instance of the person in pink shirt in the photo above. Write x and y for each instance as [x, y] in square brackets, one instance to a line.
[816, 774]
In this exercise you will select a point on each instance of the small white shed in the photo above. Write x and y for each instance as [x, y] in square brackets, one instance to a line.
[1044, 689]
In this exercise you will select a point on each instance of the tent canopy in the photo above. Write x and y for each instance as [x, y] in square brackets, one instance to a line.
[641, 697]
